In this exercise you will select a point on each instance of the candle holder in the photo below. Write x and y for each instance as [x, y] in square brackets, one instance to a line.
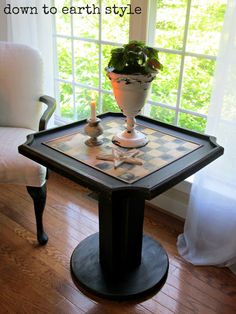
[93, 129]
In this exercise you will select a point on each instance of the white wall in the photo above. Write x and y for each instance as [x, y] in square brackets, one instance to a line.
[175, 200]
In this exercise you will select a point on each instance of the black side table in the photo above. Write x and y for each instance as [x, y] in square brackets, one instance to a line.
[120, 262]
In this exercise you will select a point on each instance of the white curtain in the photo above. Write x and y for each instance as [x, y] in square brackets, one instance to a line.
[209, 236]
[34, 30]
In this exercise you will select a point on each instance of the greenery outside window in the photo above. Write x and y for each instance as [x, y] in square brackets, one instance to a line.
[186, 32]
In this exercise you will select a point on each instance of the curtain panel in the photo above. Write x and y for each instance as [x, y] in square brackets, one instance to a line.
[209, 236]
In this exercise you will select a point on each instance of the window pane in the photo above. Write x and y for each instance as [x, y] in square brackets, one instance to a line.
[206, 20]
[64, 57]
[165, 86]
[106, 49]
[63, 21]
[191, 122]
[162, 114]
[66, 100]
[170, 23]
[197, 84]
[83, 97]
[114, 27]
[86, 63]
[109, 103]
[84, 24]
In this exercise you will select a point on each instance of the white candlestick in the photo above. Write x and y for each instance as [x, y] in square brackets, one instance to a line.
[93, 111]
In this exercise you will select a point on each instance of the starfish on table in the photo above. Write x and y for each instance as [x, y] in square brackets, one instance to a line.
[119, 157]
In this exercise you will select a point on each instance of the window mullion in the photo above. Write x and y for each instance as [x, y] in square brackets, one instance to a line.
[182, 61]
[100, 60]
[139, 22]
[151, 21]
[152, 16]
[73, 64]
[56, 84]
[139, 29]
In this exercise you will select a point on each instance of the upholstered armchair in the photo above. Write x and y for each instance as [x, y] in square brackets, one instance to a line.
[21, 113]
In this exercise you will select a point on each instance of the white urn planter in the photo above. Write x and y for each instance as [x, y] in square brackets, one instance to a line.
[131, 92]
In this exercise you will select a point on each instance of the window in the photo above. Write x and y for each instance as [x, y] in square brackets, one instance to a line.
[82, 45]
[187, 35]
[186, 32]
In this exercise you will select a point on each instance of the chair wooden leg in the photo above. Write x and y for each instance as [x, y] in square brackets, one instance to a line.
[39, 195]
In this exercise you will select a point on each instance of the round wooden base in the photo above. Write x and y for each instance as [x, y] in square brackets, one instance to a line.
[149, 276]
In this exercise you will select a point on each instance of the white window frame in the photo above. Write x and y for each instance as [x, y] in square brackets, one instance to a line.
[183, 53]
[58, 119]
[142, 27]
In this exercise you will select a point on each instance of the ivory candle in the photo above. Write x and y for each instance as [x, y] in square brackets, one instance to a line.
[93, 110]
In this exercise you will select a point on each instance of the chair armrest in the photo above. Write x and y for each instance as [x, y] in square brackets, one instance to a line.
[51, 103]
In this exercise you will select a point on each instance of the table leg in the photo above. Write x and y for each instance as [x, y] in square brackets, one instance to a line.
[119, 262]
[120, 233]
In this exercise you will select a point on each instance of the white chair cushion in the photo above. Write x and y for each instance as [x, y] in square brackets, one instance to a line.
[21, 77]
[14, 167]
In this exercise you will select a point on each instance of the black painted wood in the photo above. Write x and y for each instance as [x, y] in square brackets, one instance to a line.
[120, 263]
[136, 283]
[120, 232]
[39, 195]
[150, 186]
[51, 106]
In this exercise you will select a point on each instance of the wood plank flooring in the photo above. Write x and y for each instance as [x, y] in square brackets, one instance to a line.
[36, 279]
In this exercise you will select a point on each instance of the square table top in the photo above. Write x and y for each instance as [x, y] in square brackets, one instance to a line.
[171, 155]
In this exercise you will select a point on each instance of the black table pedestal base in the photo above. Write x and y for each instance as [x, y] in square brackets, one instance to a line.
[149, 276]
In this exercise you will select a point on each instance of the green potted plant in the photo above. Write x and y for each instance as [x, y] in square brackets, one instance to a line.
[131, 69]
[135, 58]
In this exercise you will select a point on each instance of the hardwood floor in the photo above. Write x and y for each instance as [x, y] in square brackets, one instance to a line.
[37, 279]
